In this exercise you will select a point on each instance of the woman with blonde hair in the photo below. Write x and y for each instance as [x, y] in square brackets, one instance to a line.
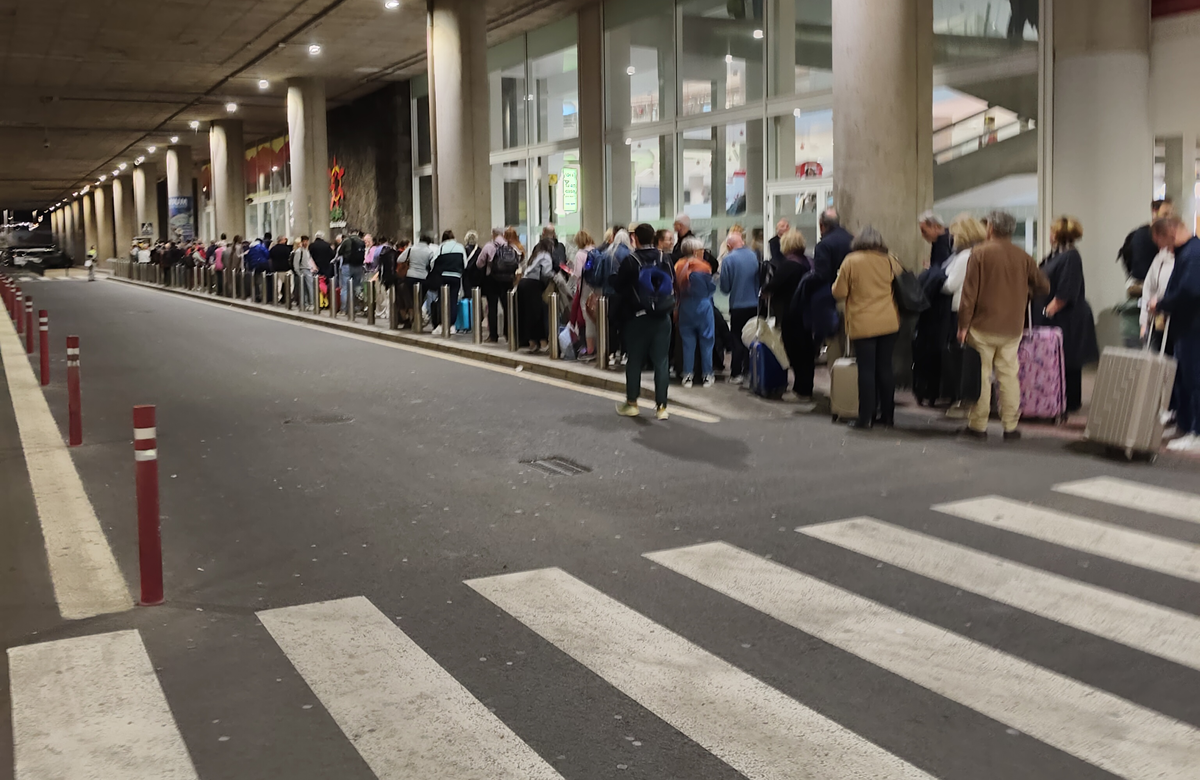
[1067, 307]
[585, 245]
[967, 231]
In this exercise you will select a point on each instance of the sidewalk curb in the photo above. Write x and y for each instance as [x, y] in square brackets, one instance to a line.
[541, 367]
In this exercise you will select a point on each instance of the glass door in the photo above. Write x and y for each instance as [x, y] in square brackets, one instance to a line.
[800, 203]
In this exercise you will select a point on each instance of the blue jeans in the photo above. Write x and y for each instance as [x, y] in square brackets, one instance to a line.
[352, 284]
[692, 329]
[307, 290]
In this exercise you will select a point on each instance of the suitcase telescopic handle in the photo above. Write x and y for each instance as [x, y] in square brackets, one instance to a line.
[1162, 348]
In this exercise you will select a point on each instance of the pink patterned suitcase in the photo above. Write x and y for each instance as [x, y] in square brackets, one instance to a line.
[1043, 374]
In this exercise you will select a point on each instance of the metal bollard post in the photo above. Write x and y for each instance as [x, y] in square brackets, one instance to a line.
[335, 298]
[351, 302]
[29, 326]
[554, 348]
[511, 316]
[145, 455]
[477, 315]
[444, 302]
[371, 297]
[44, 345]
[602, 333]
[74, 405]
[287, 290]
[394, 306]
[269, 293]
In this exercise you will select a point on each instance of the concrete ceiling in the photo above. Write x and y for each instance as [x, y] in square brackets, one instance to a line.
[88, 84]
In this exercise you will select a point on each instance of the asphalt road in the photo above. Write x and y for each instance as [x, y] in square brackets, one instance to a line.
[300, 466]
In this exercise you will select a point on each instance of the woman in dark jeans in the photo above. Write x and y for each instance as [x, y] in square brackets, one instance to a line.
[872, 322]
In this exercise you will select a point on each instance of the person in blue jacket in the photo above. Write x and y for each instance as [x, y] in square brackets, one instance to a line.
[740, 281]
[694, 280]
[1181, 302]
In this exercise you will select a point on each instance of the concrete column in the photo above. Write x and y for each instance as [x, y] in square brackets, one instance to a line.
[123, 214]
[591, 120]
[181, 213]
[74, 229]
[228, 177]
[89, 224]
[882, 94]
[105, 239]
[309, 143]
[145, 199]
[458, 98]
[1101, 166]
[1181, 175]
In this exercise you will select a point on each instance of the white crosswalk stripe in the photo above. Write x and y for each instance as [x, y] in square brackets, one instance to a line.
[1139, 624]
[1094, 537]
[1135, 495]
[1092, 725]
[91, 707]
[754, 728]
[405, 714]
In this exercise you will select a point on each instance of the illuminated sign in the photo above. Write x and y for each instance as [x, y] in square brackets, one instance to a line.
[570, 188]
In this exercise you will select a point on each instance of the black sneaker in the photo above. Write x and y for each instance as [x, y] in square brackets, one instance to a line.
[1013, 435]
[971, 433]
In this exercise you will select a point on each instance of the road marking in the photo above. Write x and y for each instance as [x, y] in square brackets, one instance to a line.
[1088, 723]
[754, 728]
[1139, 624]
[87, 580]
[1135, 495]
[1178, 559]
[676, 411]
[91, 707]
[405, 714]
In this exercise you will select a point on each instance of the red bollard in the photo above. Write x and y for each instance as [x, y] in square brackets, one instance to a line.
[145, 453]
[28, 326]
[44, 344]
[74, 407]
[18, 306]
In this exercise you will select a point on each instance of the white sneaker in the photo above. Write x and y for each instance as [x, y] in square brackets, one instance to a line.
[437, 331]
[687, 380]
[453, 330]
[1188, 443]
[1167, 418]
[710, 381]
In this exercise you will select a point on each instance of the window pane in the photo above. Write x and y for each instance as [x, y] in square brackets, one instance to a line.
[722, 176]
[801, 145]
[640, 60]
[558, 193]
[510, 196]
[802, 62]
[425, 202]
[643, 181]
[509, 94]
[424, 149]
[556, 92]
[721, 57]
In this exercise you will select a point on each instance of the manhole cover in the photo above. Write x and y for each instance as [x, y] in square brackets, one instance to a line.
[320, 419]
[557, 466]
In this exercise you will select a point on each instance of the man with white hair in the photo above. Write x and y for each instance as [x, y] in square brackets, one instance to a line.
[683, 231]
[933, 230]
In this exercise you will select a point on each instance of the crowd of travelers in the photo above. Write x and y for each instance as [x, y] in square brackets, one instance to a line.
[976, 294]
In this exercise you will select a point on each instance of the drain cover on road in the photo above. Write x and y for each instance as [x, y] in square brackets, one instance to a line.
[557, 467]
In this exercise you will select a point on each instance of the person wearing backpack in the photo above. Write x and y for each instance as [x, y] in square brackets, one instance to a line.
[500, 259]
[532, 328]
[645, 283]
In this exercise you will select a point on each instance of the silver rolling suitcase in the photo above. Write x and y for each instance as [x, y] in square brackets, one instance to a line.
[1133, 390]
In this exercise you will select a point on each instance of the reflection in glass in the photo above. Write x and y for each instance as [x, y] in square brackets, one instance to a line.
[721, 57]
[801, 145]
[425, 203]
[640, 61]
[509, 95]
[721, 175]
[642, 176]
[424, 148]
[554, 68]
[510, 196]
[801, 63]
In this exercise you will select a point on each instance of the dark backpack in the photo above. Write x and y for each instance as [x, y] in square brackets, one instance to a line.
[655, 289]
[506, 261]
[356, 254]
[596, 269]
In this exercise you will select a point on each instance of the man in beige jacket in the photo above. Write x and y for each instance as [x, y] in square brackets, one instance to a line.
[1001, 280]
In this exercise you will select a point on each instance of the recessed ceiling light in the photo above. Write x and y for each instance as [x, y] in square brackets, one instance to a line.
[231, 107]
[274, 168]
[116, 173]
[314, 49]
[758, 35]
[139, 161]
[174, 139]
[264, 84]
[630, 70]
[122, 166]
[392, 5]
[151, 149]
[74, 194]
[103, 176]
[629, 142]
[194, 124]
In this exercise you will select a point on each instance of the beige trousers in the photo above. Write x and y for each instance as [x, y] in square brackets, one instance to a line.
[998, 354]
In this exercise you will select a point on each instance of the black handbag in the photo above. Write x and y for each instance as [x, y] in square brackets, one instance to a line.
[906, 288]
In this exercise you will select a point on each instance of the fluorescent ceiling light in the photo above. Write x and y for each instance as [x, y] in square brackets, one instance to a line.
[314, 49]
[231, 107]
[264, 84]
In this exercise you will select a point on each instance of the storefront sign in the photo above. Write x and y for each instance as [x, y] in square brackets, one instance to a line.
[570, 186]
[183, 225]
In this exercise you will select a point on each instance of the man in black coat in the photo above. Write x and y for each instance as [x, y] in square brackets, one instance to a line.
[322, 255]
[833, 247]
[1139, 250]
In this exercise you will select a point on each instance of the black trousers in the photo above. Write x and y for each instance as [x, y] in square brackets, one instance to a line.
[497, 300]
[876, 379]
[802, 354]
[531, 312]
[741, 353]
[1074, 389]
[453, 283]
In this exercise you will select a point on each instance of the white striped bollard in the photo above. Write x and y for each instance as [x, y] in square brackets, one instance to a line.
[74, 406]
[44, 344]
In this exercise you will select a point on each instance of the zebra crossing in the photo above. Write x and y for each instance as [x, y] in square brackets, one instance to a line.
[93, 706]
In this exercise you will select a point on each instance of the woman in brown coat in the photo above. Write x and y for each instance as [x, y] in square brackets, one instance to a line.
[872, 321]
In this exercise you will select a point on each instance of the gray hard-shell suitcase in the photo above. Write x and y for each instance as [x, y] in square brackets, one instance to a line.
[1133, 390]
[843, 383]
